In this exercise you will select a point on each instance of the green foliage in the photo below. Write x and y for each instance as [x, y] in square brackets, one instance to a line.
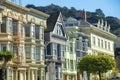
[94, 63]
[7, 55]
[99, 13]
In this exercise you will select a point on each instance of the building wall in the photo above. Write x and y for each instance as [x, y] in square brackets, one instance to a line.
[69, 67]
[101, 44]
[14, 20]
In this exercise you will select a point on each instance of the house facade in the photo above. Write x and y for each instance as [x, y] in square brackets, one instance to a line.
[77, 47]
[22, 32]
[55, 40]
[101, 40]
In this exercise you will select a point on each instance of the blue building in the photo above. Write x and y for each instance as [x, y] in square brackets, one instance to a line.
[55, 40]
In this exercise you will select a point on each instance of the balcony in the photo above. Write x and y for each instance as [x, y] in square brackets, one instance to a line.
[51, 58]
[61, 59]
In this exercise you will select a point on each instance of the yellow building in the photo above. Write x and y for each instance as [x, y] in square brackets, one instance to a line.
[22, 31]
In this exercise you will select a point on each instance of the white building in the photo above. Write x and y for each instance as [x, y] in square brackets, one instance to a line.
[101, 40]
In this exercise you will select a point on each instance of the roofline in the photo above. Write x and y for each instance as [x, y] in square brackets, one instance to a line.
[38, 12]
[26, 9]
[15, 5]
[104, 32]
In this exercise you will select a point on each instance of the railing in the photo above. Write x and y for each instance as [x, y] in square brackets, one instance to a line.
[51, 57]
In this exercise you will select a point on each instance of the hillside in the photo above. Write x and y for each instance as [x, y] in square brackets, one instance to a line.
[92, 17]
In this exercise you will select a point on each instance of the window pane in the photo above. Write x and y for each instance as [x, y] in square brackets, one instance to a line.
[10, 74]
[9, 25]
[15, 28]
[3, 47]
[15, 50]
[37, 32]
[33, 30]
[27, 31]
[3, 26]
[37, 53]
[41, 33]
[27, 51]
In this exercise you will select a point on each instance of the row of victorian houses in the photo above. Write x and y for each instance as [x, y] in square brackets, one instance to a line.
[47, 48]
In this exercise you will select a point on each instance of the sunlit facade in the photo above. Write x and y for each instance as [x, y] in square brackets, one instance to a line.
[101, 40]
[22, 32]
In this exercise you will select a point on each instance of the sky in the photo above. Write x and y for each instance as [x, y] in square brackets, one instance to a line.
[109, 7]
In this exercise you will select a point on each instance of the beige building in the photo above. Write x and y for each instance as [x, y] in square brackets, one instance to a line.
[22, 31]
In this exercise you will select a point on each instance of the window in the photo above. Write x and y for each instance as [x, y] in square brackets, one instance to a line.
[108, 45]
[85, 45]
[58, 72]
[10, 47]
[102, 43]
[42, 75]
[33, 53]
[10, 74]
[71, 47]
[3, 47]
[33, 31]
[77, 45]
[9, 25]
[98, 42]
[68, 63]
[105, 44]
[54, 49]
[48, 52]
[41, 33]
[62, 51]
[37, 53]
[27, 52]
[37, 31]
[65, 64]
[15, 50]
[3, 26]
[27, 31]
[59, 30]
[94, 41]
[71, 64]
[15, 28]
[21, 31]
[42, 54]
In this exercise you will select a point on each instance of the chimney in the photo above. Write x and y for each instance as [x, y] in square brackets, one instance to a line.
[84, 15]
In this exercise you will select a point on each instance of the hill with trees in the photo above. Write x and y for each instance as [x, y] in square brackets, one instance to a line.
[92, 17]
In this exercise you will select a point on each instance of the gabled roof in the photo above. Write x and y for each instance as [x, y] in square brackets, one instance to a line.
[51, 21]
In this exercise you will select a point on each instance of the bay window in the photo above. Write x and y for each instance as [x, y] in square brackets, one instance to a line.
[37, 31]
[15, 28]
[33, 31]
[3, 25]
[3, 47]
[37, 53]
[41, 33]
[27, 52]
[27, 31]
[9, 25]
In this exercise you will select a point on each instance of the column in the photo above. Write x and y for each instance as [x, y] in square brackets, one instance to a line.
[29, 76]
[36, 74]
[16, 74]
[24, 74]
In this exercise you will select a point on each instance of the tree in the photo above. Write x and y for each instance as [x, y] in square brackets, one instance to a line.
[100, 13]
[5, 56]
[96, 64]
